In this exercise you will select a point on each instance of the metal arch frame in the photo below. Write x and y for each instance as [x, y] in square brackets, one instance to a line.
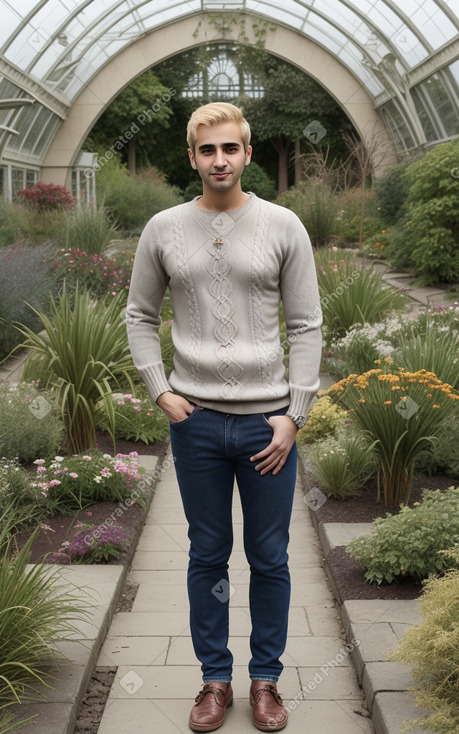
[299, 16]
[103, 31]
[307, 6]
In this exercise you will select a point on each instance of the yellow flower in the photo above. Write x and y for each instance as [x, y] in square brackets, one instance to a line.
[362, 400]
[388, 402]
[435, 406]
[377, 361]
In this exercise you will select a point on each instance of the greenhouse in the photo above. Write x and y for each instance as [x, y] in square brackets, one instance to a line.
[393, 68]
[229, 366]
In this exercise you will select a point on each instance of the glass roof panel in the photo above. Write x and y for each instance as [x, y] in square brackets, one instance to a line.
[65, 42]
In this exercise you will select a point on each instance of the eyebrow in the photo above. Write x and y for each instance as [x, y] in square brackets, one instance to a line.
[224, 145]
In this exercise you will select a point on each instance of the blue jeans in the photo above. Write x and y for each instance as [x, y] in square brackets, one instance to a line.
[211, 449]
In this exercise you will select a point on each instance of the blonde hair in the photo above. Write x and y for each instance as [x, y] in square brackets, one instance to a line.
[212, 114]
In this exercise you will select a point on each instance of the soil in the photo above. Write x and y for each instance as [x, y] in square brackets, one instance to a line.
[347, 575]
[362, 507]
[58, 528]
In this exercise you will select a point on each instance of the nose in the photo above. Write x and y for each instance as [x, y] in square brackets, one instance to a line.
[220, 159]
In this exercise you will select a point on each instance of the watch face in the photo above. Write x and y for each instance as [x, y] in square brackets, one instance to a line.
[300, 421]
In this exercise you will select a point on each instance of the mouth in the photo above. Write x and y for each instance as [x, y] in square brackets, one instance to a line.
[220, 176]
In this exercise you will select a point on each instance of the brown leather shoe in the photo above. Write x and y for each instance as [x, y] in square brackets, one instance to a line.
[208, 713]
[268, 711]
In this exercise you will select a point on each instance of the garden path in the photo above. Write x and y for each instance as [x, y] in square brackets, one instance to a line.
[157, 672]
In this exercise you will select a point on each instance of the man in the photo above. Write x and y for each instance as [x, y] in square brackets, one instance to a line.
[228, 259]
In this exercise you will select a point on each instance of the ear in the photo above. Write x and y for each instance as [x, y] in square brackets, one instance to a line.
[192, 160]
[248, 155]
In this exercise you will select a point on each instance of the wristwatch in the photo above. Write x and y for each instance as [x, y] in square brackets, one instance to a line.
[299, 420]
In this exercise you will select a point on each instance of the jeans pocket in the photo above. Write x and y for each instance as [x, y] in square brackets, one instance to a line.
[267, 416]
[187, 419]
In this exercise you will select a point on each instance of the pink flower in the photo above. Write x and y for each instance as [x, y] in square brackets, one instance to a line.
[54, 483]
[40, 469]
[73, 474]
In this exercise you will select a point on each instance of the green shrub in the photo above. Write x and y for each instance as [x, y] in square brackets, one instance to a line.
[30, 423]
[445, 451]
[431, 651]
[341, 464]
[353, 204]
[377, 244]
[40, 227]
[409, 544]
[255, 179]
[137, 418]
[83, 354]
[317, 207]
[430, 226]
[88, 228]
[25, 278]
[73, 482]
[132, 200]
[391, 193]
[323, 419]
[192, 190]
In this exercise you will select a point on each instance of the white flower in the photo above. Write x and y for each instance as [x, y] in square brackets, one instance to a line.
[39, 461]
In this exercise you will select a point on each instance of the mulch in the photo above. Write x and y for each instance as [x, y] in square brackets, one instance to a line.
[347, 575]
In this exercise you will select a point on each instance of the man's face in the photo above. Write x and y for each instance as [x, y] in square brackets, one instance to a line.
[219, 155]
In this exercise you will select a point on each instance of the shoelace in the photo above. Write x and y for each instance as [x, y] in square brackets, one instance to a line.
[210, 689]
[267, 689]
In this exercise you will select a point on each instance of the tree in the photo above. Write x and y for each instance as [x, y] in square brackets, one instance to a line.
[292, 101]
[134, 121]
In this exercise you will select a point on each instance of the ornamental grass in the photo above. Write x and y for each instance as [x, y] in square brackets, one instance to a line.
[403, 412]
[37, 609]
[352, 293]
[84, 354]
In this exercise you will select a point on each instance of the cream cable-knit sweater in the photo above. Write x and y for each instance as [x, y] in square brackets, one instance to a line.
[226, 273]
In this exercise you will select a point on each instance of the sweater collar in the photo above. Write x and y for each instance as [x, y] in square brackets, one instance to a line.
[221, 221]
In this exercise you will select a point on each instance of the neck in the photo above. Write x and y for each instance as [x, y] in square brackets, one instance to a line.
[222, 201]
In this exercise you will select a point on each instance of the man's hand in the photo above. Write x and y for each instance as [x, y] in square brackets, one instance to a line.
[274, 456]
[175, 406]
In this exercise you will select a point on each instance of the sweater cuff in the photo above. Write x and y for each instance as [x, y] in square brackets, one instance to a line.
[301, 399]
[155, 379]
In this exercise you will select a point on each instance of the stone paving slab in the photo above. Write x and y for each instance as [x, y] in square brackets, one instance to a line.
[333, 534]
[56, 709]
[157, 679]
[384, 677]
[376, 626]
[391, 711]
